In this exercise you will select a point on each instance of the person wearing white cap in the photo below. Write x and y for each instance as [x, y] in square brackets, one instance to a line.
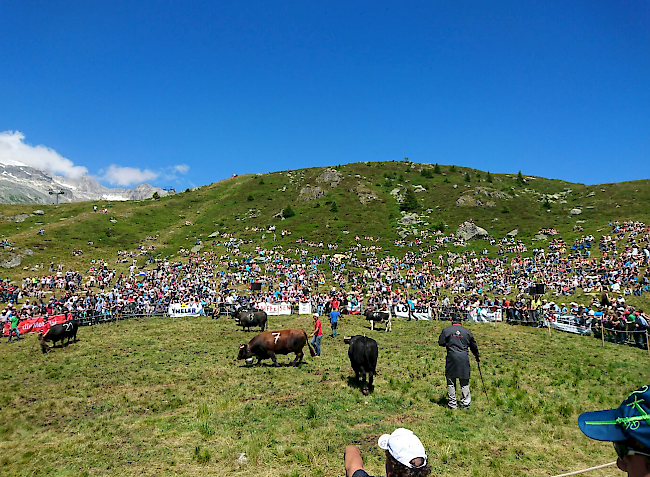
[405, 456]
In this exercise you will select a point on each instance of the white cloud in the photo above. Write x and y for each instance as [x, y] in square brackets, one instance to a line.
[14, 151]
[182, 168]
[127, 176]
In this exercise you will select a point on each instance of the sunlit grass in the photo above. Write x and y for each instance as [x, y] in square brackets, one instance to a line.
[168, 397]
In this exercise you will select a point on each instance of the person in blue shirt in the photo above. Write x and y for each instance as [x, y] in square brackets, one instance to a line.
[411, 306]
[334, 320]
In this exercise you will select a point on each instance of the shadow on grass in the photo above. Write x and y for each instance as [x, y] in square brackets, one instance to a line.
[441, 401]
[290, 364]
[354, 383]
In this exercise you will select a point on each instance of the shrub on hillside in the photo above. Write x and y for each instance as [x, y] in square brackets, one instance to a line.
[411, 202]
[288, 212]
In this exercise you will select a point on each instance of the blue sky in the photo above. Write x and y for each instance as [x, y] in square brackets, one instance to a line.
[185, 93]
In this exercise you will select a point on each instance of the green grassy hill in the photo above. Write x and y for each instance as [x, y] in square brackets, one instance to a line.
[331, 205]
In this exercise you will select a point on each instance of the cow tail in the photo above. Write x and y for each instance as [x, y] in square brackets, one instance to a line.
[312, 351]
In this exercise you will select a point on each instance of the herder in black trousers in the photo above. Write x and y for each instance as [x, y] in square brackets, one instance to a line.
[458, 341]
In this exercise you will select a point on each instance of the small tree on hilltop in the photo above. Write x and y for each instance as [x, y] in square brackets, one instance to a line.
[334, 208]
[467, 178]
[436, 169]
[489, 177]
[520, 179]
[411, 202]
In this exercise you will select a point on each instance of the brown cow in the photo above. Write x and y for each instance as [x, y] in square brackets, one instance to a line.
[269, 343]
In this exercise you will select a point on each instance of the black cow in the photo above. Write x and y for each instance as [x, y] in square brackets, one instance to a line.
[62, 331]
[246, 319]
[269, 343]
[363, 353]
[379, 316]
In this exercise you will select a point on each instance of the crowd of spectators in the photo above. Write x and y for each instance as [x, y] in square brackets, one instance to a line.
[428, 273]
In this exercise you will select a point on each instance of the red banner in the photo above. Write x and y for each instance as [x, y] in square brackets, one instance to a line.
[34, 325]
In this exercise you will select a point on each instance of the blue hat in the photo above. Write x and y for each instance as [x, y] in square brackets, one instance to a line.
[631, 420]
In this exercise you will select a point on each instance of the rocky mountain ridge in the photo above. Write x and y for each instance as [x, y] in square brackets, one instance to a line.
[24, 184]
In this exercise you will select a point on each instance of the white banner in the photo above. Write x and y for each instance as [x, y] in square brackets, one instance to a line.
[185, 309]
[282, 308]
[484, 315]
[304, 308]
[420, 312]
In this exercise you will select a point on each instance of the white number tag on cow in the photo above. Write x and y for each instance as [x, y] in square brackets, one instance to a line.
[67, 326]
[277, 337]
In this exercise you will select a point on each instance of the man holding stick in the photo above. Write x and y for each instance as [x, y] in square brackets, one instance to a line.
[458, 340]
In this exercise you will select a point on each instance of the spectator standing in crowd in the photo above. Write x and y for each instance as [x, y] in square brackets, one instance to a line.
[458, 340]
[317, 335]
[641, 325]
[405, 456]
[334, 320]
[628, 428]
[14, 319]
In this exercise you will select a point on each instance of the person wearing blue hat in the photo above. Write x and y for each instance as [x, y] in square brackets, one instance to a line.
[628, 428]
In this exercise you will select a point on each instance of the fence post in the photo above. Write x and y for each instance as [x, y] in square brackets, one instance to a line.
[602, 333]
[647, 342]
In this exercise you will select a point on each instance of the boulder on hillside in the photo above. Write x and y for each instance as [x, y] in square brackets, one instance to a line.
[469, 230]
[330, 176]
[468, 201]
[308, 193]
[575, 211]
[365, 195]
[513, 233]
[409, 219]
[493, 193]
[18, 218]
[12, 262]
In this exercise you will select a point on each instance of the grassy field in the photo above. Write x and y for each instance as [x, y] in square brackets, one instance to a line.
[166, 397]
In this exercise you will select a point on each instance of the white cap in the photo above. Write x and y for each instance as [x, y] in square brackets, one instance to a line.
[404, 446]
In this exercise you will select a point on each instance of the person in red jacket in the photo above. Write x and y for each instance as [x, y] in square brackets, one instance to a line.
[46, 326]
[317, 335]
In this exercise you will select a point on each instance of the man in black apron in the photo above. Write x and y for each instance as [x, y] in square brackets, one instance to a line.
[458, 341]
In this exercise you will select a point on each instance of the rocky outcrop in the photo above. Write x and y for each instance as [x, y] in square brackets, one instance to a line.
[469, 201]
[493, 193]
[469, 230]
[409, 219]
[308, 193]
[18, 218]
[575, 211]
[12, 262]
[330, 176]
